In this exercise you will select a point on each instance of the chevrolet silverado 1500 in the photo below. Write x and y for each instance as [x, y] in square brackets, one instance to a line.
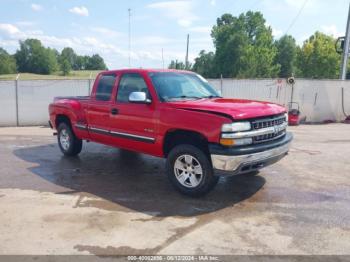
[176, 115]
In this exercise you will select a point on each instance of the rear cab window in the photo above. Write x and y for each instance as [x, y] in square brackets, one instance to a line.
[105, 87]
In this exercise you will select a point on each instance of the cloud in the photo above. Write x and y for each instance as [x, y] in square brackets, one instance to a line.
[293, 6]
[154, 40]
[9, 29]
[182, 11]
[82, 11]
[105, 31]
[146, 50]
[332, 30]
[276, 32]
[201, 29]
[25, 23]
[36, 7]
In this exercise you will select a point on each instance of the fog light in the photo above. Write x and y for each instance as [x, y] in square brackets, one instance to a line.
[236, 142]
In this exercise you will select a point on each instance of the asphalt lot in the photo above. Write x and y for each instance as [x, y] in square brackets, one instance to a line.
[109, 201]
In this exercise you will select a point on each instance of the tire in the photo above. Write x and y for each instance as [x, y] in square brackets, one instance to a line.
[252, 173]
[69, 144]
[190, 171]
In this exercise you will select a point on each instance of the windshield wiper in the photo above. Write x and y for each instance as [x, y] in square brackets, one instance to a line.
[212, 96]
[191, 97]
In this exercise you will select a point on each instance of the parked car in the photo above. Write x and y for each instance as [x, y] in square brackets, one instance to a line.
[176, 115]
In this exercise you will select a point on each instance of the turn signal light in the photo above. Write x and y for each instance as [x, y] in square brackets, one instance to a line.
[227, 141]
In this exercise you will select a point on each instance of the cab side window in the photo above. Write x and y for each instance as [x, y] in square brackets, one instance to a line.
[131, 82]
[105, 87]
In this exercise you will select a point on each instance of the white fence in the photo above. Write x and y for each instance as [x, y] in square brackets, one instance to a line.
[25, 102]
[319, 100]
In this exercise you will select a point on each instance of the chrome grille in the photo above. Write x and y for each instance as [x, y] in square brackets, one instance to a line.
[268, 122]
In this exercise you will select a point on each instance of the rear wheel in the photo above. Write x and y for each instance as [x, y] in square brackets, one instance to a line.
[190, 171]
[69, 144]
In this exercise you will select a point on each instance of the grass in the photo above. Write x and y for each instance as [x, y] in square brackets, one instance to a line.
[82, 74]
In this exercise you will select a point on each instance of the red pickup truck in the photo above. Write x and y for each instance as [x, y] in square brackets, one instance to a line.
[176, 115]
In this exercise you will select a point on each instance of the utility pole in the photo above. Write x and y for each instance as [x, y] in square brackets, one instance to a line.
[129, 10]
[345, 57]
[186, 60]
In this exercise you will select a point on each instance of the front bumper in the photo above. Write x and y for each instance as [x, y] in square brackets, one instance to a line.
[247, 159]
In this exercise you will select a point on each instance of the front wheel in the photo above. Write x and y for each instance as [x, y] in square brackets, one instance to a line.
[69, 144]
[190, 171]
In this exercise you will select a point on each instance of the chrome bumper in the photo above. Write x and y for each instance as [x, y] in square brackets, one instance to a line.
[239, 164]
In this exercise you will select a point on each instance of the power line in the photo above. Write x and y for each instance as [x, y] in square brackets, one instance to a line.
[129, 10]
[296, 17]
[345, 55]
[186, 59]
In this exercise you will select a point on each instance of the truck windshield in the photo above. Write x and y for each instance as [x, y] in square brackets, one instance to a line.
[174, 86]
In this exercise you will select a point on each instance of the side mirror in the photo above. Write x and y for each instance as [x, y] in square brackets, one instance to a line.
[139, 97]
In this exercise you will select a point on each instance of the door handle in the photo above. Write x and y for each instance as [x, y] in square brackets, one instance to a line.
[114, 111]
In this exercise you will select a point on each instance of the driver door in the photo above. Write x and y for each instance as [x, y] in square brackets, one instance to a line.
[133, 124]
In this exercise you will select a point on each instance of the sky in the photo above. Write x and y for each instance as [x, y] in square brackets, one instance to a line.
[92, 26]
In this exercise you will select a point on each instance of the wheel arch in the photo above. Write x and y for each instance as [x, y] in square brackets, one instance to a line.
[176, 137]
[62, 118]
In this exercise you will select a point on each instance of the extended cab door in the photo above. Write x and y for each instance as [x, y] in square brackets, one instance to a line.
[133, 125]
[98, 111]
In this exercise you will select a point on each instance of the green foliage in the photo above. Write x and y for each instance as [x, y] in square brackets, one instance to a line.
[286, 55]
[317, 57]
[82, 62]
[204, 64]
[65, 67]
[95, 63]
[177, 65]
[244, 46]
[7, 63]
[68, 55]
[32, 57]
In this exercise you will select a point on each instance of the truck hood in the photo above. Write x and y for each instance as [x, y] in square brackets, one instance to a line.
[234, 108]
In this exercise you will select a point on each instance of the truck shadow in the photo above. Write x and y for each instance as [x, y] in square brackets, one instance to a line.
[126, 180]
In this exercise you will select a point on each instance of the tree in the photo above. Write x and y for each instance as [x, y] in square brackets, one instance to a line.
[82, 62]
[204, 64]
[174, 64]
[96, 62]
[32, 57]
[317, 57]
[71, 57]
[244, 46]
[65, 67]
[7, 63]
[286, 55]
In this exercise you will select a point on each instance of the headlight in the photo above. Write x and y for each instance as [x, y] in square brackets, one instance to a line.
[286, 116]
[227, 129]
[236, 127]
